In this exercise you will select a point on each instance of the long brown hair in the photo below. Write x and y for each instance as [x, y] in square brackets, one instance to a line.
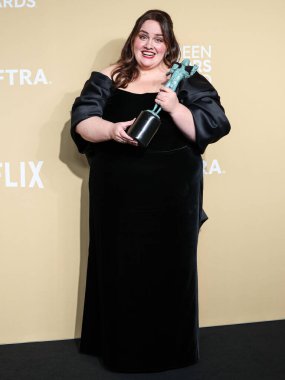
[126, 69]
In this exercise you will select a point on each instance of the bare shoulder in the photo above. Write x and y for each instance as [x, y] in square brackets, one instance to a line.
[108, 70]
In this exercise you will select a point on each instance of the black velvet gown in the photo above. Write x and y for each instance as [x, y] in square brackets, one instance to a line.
[141, 301]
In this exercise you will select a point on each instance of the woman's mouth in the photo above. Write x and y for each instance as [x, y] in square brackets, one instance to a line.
[148, 54]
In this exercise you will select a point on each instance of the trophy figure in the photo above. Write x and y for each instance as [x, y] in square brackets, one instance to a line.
[148, 122]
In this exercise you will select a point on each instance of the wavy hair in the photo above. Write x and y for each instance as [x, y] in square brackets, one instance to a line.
[126, 69]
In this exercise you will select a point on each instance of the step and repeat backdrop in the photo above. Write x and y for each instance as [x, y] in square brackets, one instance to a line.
[48, 50]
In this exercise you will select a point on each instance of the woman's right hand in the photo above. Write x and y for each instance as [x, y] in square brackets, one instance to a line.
[119, 134]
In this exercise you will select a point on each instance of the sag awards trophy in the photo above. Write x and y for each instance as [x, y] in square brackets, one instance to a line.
[148, 122]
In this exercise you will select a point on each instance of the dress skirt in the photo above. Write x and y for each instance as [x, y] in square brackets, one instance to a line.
[141, 302]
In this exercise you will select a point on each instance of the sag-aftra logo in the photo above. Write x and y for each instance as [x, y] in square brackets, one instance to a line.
[23, 77]
[17, 3]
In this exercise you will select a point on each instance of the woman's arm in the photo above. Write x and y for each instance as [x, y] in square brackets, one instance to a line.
[199, 115]
[181, 115]
[95, 129]
[183, 118]
[87, 124]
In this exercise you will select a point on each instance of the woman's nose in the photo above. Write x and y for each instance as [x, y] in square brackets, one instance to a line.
[149, 43]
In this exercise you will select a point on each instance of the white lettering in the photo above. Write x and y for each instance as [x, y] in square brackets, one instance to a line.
[17, 3]
[186, 51]
[11, 76]
[31, 3]
[20, 3]
[214, 167]
[23, 77]
[205, 52]
[199, 55]
[8, 181]
[8, 2]
[20, 174]
[23, 174]
[207, 66]
[195, 51]
[35, 171]
[40, 77]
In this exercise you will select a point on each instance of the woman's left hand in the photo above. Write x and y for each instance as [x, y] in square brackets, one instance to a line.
[167, 99]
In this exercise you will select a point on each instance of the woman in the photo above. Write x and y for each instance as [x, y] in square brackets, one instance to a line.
[141, 302]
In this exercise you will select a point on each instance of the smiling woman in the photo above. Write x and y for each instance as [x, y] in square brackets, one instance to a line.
[141, 302]
[153, 37]
[149, 45]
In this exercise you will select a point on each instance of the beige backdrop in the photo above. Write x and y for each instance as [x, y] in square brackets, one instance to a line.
[48, 49]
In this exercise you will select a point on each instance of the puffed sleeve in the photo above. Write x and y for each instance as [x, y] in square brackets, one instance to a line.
[91, 102]
[201, 98]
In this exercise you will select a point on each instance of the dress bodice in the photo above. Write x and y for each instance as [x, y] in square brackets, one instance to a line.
[99, 97]
[124, 106]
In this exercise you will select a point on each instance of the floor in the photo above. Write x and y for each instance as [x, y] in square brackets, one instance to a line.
[236, 352]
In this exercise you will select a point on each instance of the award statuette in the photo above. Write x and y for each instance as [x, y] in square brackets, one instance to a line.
[148, 122]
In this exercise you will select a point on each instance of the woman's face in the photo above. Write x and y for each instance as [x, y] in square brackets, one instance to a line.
[149, 45]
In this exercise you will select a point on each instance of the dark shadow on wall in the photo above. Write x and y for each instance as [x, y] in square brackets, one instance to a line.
[78, 165]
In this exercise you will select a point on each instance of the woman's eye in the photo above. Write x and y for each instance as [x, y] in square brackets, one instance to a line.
[142, 37]
[159, 40]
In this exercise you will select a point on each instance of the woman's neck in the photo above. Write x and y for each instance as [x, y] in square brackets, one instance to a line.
[149, 80]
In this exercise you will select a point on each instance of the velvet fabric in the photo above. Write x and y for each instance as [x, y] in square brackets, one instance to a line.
[141, 303]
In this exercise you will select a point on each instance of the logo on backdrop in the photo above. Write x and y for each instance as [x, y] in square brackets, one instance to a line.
[23, 77]
[17, 3]
[212, 167]
[199, 55]
[22, 174]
